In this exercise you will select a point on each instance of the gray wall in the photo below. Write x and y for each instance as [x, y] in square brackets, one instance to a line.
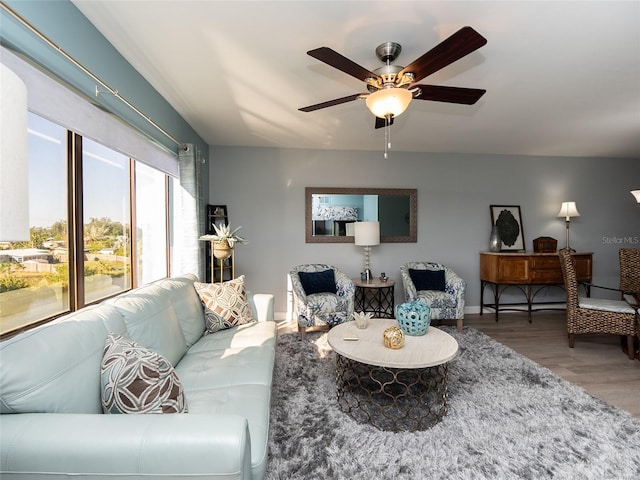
[263, 189]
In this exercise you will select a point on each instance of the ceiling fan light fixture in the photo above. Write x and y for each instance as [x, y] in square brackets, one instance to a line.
[389, 101]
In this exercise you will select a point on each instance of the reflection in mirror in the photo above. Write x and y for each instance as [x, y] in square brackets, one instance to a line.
[331, 212]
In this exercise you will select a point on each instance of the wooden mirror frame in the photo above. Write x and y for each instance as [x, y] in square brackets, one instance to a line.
[412, 193]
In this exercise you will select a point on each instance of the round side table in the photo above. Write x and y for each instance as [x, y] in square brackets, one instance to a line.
[375, 296]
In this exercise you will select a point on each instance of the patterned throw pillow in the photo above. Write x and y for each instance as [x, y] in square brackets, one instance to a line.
[137, 380]
[225, 304]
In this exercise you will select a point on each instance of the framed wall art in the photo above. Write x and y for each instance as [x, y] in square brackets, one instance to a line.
[508, 220]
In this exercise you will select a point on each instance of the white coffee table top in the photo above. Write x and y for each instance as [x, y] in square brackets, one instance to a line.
[433, 348]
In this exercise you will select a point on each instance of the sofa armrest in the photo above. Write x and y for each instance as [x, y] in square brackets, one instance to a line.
[262, 306]
[104, 446]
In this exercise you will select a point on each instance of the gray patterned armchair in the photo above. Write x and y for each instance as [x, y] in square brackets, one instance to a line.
[323, 296]
[439, 287]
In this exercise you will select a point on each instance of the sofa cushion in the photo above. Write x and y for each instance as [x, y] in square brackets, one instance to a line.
[247, 335]
[232, 366]
[152, 322]
[428, 279]
[225, 304]
[187, 306]
[55, 368]
[137, 380]
[318, 282]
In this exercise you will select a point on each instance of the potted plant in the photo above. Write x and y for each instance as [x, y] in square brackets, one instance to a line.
[224, 240]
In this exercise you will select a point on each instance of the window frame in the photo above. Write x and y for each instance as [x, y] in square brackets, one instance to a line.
[75, 231]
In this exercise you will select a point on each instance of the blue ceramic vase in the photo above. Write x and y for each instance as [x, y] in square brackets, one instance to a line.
[413, 318]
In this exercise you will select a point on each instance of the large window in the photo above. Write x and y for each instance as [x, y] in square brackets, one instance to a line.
[34, 275]
[151, 223]
[85, 213]
[106, 219]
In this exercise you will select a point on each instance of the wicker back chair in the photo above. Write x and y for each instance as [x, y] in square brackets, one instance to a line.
[629, 269]
[594, 315]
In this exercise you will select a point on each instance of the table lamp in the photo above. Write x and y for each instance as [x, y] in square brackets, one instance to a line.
[367, 234]
[636, 194]
[568, 210]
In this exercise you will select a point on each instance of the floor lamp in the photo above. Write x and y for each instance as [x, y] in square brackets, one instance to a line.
[367, 234]
[568, 210]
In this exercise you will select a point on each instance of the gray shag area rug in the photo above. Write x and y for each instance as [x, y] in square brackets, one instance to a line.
[508, 418]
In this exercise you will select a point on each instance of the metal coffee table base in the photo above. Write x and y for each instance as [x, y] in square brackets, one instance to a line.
[392, 398]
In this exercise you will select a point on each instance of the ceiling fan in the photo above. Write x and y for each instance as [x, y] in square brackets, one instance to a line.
[391, 87]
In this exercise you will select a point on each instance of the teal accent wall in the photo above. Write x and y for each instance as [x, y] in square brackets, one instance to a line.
[65, 25]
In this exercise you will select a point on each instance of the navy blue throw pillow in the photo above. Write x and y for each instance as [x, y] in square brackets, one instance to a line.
[427, 279]
[318, 282]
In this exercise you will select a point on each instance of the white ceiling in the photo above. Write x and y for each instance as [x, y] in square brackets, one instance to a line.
[562, 77]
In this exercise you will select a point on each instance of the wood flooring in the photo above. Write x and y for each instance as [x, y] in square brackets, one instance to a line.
[596, 364]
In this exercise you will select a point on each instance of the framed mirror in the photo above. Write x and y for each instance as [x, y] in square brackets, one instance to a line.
[331, 212]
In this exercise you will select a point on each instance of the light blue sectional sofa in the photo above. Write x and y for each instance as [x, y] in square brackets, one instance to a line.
[52, 425]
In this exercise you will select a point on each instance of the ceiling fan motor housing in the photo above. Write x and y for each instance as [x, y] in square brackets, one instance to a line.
[388, 51]
[387, 73]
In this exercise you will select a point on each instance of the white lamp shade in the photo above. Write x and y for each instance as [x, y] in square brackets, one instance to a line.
[568, 210]
[636, 193]
[389, 101]
[14, 172]
[367, 233]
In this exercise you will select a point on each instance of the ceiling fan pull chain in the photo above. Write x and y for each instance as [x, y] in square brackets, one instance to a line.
[387, 122]
[389, 130]
[387, 137]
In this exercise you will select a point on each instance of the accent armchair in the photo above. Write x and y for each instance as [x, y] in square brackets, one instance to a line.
[438, 287]
[323, 296]
[595, 315]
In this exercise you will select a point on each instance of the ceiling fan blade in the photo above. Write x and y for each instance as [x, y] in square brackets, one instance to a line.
[330, 103]
[382, 122]
[458, 45]
[438, 93]
[342, 63]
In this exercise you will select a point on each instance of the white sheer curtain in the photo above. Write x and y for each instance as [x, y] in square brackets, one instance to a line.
[188, 252]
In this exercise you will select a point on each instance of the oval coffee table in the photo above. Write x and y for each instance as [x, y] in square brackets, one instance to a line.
[398, 390]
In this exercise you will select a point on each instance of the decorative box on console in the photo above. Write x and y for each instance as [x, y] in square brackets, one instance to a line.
[545, 245]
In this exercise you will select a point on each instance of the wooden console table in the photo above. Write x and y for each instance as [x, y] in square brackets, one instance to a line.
[528, 272]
